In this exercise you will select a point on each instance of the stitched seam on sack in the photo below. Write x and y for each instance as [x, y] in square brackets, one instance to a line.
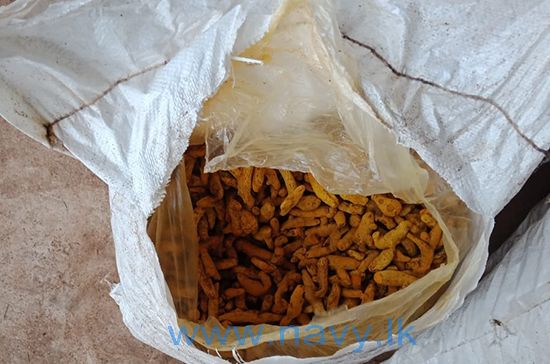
[49, 128]
[451, 91]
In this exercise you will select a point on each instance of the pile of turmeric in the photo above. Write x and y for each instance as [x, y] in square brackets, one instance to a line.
[276, 247]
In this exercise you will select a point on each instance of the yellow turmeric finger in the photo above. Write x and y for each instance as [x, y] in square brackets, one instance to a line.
[289, 249]
[343, 277]
[252, 250]
[290, 278]
[387, 221]
[318, 251]
[254, 287]
[393, 278]
[272, 179]
[280, 240]
[425, 236]
[291, 200]
[308, 203]
[206, 283]
[356, 278]
[369, 293]
[227, 179]
[435, 236]
[421, 264]
[263, 265]
[405, 210]
[288, 178]
[322, 277]
[248, 223]
[389, 206]
[215, 186]
[278, 255]
[320, 192]
[211, 218]
[355, 254]
[244, 186]
[351, 208]
[334, 237]
[347, 240]
[267, 211]
[267, 303]
[264, 234]
[354, 220]
[299, 222]
[227, 263]
[208, 263]
[363, 232]
[393, 237]
[382, 260]
[258, 179]
[339, 262]
[234, 212]
[351, 302]
[333, 298]
[427, 218]
[365, 263]
[202, 229]
[275, 225]
[294, 306]
[400, 257]
[356, 199]
[311, 240]
[340, 219]
[351, 293]
[410, 247]
[309, 293]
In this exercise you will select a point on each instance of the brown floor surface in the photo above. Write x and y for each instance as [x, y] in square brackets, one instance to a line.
[56, 257]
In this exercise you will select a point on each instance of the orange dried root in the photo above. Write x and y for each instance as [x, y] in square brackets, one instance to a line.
[276, 247]
[309, 203]
[356, 199]
[393, 278]
[389, 206]
[320, 192]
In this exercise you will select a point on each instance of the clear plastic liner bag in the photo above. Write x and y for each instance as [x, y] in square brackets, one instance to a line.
[291, 103]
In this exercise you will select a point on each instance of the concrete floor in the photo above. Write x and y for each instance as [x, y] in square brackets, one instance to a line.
[56, 259]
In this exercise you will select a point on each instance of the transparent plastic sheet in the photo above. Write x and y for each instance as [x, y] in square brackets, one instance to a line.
[176, 243]
[299, 110]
